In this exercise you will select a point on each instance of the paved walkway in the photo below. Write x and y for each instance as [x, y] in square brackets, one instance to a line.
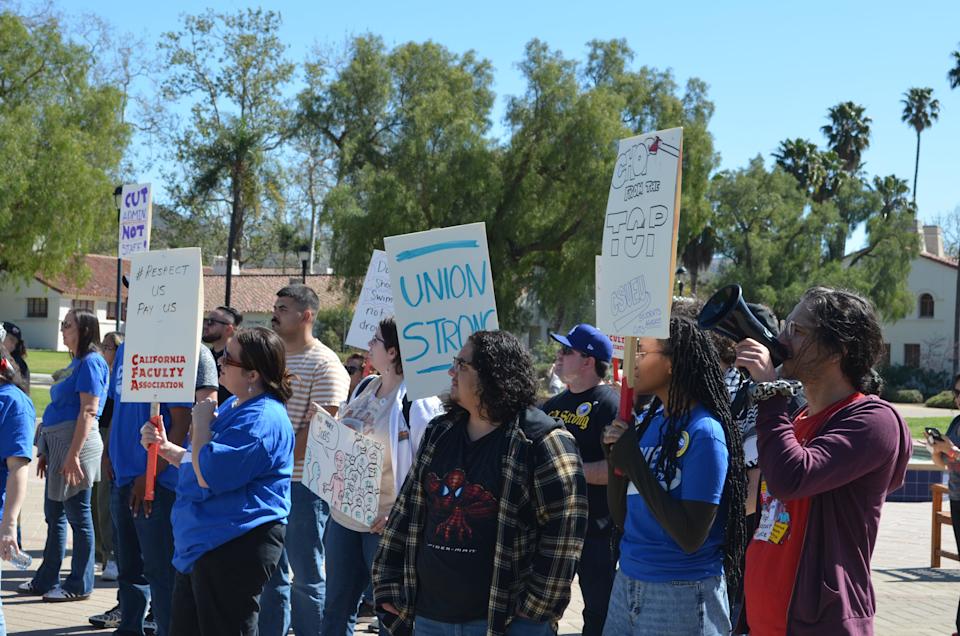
[912, 599]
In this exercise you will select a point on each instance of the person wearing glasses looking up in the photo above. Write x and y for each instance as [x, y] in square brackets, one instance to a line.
[380, 410]
[825, 471]
[586, 407]
[68, 455]
[485, 536]
[218, 327]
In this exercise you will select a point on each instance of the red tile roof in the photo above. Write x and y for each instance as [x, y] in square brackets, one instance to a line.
[102, 283]
[256, 293]
[939, 259]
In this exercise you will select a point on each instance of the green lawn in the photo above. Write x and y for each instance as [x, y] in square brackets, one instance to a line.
[47, 361]
[917, 424]
[41, 397]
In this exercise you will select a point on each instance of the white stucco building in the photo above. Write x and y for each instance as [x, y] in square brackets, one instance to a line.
[925, 337]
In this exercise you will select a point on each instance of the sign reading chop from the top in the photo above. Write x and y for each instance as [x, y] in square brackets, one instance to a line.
[635, 271]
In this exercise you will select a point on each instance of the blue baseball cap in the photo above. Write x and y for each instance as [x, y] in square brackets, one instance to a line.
[588, 340]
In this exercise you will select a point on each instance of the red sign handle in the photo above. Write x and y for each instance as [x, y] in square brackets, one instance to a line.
[153, 452]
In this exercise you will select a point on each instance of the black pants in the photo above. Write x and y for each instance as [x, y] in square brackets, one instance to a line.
[597, 570]
[222, 594]
[955, 517]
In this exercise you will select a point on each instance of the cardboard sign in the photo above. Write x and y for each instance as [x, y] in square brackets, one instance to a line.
[136, 211]
[443, 292]
[343, 468]
[375, 303]
[163, 326]
[636, 269]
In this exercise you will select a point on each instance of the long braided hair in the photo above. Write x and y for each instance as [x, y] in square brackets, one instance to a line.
[697, 379]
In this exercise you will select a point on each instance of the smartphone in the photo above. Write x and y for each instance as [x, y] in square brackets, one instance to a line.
[933, 435]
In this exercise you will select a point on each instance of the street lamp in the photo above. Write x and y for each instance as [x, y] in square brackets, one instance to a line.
[117, 201]
[304, 254]
[681, 271]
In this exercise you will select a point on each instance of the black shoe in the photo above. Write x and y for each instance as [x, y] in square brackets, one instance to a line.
[366, 613]
[150, 624]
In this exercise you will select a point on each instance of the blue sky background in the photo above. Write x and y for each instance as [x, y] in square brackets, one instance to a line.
[773, 68]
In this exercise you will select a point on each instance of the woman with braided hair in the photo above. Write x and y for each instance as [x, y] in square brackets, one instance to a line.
[676, 488]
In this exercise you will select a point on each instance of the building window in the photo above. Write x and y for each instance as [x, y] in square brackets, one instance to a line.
[911, 355]
[926, 306]
[88, 305]
[885, 356]
[36, 307]
[112, 311]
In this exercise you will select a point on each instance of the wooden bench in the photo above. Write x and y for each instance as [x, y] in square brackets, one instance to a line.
[939, 519]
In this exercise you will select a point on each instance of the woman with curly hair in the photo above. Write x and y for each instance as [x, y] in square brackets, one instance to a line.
[233, 493]
[676, 486]
[488, 528]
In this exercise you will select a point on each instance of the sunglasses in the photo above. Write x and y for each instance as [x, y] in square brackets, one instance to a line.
[65, 325]
[565, 350]
[230, 362]
[351, 369]
[209, 322]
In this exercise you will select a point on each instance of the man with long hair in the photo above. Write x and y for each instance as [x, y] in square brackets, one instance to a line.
[826, 470]
[485, 535]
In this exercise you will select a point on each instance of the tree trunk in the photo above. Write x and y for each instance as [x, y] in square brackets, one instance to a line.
[916, 168]
[313, 221]
[235, 212]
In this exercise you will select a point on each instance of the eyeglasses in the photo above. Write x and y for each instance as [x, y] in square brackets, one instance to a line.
[459, 363]
[65, 325]
[351, 369]
[377, 339]
[230, 362]
[643, 354]
[209, 322]
[792, 328]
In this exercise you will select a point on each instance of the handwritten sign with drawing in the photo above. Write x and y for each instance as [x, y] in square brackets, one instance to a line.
[135, 216]
[443, 292]
[635, 271]
[343, 468]
[375, 302]
[163, 326]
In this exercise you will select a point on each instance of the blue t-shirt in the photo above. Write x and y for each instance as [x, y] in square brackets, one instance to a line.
[88, 374]
[127, 457]
[17, 423]
[247, 464]
[647, 552]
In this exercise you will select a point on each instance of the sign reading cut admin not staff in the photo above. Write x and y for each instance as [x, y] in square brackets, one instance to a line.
[442, 292]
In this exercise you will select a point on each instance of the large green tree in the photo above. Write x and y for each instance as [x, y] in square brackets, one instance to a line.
[920, 110]
[411, 129]
[62, 138]
[229, 71]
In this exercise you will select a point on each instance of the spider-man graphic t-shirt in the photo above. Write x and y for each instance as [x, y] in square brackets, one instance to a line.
[455, 561]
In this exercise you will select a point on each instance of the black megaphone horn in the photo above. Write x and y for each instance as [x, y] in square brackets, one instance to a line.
[728, 314]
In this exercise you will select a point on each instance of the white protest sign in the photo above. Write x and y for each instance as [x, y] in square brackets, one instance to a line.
[618, 342]
[343, 468]
[443, 292]
[136, 211]
[163, 326]
[636, 268]
[375, 302]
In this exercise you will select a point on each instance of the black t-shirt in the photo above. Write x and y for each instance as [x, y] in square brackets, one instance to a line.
[222, 393]
[586, 414]
[455, 559]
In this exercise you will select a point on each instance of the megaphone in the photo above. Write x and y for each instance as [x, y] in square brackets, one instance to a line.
[728, 314]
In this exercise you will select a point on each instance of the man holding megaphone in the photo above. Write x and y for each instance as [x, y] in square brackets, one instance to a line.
[826, 469]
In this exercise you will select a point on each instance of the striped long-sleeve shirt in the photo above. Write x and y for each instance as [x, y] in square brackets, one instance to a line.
[541, 523]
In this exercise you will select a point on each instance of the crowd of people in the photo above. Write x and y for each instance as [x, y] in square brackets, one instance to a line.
[736, 497]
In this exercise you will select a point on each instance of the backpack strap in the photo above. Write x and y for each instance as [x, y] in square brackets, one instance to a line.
[406, 404]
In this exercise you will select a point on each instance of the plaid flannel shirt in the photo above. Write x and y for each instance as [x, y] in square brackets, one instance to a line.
[541, 522]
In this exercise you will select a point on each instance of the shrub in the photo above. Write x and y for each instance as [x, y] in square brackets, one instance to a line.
[927, 382]
[905, 396]
[942, 400]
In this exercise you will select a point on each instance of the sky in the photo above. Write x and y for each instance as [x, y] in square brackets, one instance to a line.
[773, 69]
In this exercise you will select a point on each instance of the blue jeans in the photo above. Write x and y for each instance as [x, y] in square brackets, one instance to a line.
[596, 571]
[76, 511]
[133, 588]
[681, 608]
[349, 561]
[302, 606]
[518, 627]
[155, 536]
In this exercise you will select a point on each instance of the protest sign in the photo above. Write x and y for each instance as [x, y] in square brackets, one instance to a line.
[136, 210]
[637, 263]
[343, 468]
[375, 303]
[617, 341]
[163, 326]
[443, 292]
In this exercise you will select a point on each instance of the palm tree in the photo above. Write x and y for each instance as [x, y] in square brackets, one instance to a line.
[920, 110]
[953, 75]
[848, 134]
